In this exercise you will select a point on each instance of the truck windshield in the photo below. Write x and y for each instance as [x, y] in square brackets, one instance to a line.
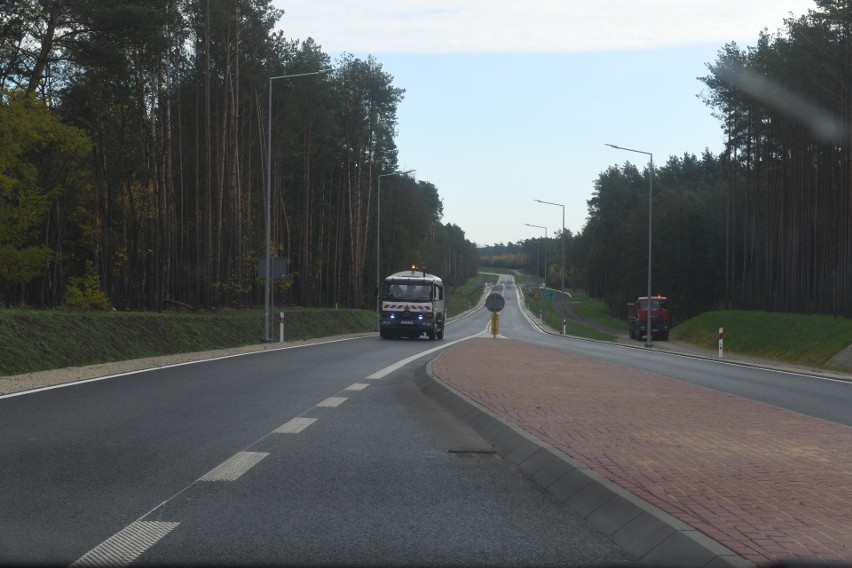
[408, 291]
[655, 305]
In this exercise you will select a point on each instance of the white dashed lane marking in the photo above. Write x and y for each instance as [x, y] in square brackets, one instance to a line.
[295, 425]
[127, 545]
[132, 541]
[234, 467]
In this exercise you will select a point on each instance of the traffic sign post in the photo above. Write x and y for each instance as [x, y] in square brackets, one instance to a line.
[495, 302]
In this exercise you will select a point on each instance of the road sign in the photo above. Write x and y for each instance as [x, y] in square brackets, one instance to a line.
[279, 267]
[548, 295]
[495, 302]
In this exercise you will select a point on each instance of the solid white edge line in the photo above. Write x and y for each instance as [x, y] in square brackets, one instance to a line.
[399, 364]
[220, 358]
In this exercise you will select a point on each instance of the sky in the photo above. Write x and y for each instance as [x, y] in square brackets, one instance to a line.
[508, 102]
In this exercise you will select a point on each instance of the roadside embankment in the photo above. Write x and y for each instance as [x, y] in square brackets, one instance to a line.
[39, 340]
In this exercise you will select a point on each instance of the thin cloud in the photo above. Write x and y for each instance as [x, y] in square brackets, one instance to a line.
[554, 26]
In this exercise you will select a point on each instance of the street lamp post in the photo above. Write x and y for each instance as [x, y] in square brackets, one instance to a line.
[545, 261]
[379, 243]
[268, 261]
[562, 308]
[650, 210]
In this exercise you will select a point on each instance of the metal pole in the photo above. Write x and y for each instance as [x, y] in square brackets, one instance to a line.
[563, 258]
[545, 262]
[650, 212]
[379, 243]
[266, 284]
[563, 270]
[378, 255]
[266, 338]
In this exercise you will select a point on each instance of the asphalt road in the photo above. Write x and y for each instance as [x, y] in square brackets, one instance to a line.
[337, 459]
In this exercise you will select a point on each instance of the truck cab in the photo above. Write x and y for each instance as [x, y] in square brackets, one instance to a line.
[637, 316]
[412, 305]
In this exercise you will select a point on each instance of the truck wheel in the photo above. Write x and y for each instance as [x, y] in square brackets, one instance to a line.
[664, 336]
[440, 333]
[431, 335]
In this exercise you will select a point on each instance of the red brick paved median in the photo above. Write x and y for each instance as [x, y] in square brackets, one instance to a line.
[768, 483]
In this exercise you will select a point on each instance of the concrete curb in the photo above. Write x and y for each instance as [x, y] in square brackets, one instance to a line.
[642, 530]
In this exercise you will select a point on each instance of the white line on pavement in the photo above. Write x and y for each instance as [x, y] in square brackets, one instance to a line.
[127, 545]
[234, 467]
[295, 425]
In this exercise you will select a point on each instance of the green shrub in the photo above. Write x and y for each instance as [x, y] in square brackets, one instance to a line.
[85, 293]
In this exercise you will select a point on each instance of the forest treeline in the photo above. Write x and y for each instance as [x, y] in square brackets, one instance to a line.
[764, 225]
[133, 161]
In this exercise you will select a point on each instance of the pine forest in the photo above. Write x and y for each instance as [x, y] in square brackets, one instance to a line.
[766, 224]
[134, 161]
[134, 165]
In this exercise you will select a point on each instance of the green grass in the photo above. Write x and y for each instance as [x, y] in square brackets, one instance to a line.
[793, 338]
[466, 296]
[34, 340]
[597, 311]
[39, 340]
[571, 327]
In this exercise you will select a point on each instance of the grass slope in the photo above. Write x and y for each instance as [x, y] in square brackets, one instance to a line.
[35, 340]
[792, 338]
[40, 340]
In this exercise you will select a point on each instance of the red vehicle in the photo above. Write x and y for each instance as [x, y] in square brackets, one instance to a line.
[637, 317]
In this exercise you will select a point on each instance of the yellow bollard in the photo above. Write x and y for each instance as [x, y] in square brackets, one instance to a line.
[495, 324]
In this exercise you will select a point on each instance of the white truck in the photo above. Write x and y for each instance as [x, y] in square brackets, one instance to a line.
[412, 305]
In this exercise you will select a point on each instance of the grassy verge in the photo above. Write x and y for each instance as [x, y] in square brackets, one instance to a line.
[551, 316]
[466, 296]
[597, 311]
[792, 338]
[41, 340]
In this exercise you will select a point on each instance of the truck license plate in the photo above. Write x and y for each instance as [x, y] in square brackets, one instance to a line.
[407, 322]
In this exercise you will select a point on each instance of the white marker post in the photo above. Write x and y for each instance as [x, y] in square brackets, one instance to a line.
[721, 343]
[281, 327]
